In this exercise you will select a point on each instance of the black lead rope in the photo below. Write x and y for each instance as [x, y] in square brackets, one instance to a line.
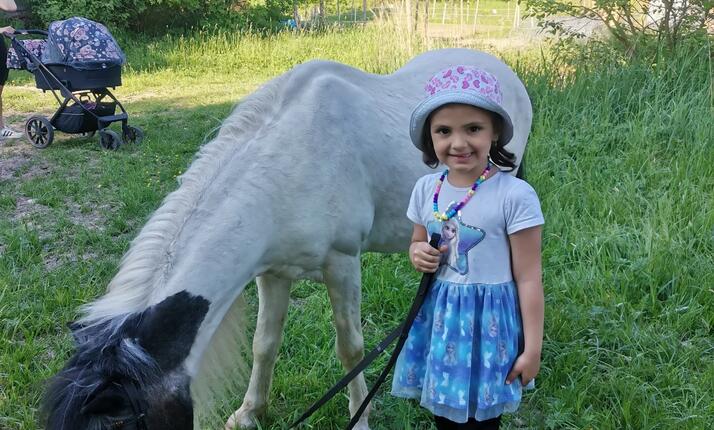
[402, 332]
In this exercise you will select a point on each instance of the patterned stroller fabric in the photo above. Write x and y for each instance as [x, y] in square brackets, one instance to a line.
[34, 46]
[82, 44]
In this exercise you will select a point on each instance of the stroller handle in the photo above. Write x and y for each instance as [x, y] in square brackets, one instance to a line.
[36, 32]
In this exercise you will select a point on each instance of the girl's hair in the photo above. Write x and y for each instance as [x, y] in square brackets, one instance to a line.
[498, 154]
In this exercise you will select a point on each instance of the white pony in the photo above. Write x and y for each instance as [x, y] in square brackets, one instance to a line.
[307, 173]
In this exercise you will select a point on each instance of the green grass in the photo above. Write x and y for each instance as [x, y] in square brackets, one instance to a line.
[620, 154]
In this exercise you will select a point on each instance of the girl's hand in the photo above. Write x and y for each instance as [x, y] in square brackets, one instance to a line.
[424, 258]
[7, 30]
[527, 366]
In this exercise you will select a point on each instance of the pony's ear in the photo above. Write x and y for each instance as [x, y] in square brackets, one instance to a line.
[79, 336]
[168, 329]
[106, 399]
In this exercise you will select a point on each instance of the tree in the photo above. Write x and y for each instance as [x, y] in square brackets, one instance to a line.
[670, 21]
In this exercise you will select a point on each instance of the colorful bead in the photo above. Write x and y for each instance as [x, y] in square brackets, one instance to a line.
[454, 210]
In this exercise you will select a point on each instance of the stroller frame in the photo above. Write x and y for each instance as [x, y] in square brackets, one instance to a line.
[88, 103]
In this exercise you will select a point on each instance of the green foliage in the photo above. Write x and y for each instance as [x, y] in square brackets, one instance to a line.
[113, 13]
[634, 24]
[261, 17]
[164, 16]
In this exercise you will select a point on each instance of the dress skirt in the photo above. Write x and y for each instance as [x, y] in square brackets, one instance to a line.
[460, 349]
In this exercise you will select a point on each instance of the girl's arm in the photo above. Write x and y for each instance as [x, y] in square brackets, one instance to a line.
[526, 266]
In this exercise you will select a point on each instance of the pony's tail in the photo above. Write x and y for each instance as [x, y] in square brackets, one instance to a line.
[222, 378]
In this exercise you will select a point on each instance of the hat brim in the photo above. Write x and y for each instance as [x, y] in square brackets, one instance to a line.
[432, 103]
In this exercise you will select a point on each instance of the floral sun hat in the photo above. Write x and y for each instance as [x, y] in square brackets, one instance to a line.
[464, 85]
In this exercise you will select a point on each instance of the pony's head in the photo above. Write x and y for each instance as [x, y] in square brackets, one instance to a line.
[127, 373]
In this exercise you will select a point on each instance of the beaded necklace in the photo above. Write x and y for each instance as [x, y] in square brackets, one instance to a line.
[445, 216]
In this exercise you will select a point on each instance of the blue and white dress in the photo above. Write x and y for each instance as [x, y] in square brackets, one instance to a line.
[468, 333]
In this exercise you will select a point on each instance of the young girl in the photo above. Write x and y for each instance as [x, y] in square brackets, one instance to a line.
[477, 339]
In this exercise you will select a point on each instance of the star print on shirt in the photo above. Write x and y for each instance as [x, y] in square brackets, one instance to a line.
[459, 237]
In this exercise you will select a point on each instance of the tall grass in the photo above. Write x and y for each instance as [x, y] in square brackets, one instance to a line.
[620, 154]
[380, 48]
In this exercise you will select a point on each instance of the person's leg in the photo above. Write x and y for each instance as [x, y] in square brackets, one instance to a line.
[5, 133]
[3, 75]
[2, 119]
[472, 424]
[444, 424]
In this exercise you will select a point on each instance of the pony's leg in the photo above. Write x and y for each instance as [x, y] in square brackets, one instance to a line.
[342, 276]
[273, 299]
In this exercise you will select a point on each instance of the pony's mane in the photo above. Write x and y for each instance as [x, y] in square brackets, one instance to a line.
[144, 267]
[105, 350]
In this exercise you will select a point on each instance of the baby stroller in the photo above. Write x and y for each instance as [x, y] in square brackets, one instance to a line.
[79, 59]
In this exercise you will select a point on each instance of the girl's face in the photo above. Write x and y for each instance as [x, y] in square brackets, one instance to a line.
[448, 231]
[462, 136]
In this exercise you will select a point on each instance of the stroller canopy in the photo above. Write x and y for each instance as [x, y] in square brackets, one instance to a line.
[82, 44]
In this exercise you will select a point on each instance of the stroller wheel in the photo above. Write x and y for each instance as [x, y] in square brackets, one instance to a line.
[133, 135]
[39, 131]
[109, 139]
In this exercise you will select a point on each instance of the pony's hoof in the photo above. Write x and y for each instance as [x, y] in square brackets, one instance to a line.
[241, 419]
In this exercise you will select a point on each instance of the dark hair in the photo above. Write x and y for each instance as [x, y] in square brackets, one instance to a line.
[498, 153]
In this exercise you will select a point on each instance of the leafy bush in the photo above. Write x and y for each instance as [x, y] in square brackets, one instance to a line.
[113, 13]
[261, 17]
[631, 22]
[162, 16]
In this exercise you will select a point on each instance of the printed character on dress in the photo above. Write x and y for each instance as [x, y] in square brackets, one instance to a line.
[459, 239]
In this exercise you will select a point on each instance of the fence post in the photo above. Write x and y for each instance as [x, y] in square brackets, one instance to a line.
[296, 15]
[461, 17]
[426, 22]
[476, 15]
[416, 14]
[517, 15]
[408, 8]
